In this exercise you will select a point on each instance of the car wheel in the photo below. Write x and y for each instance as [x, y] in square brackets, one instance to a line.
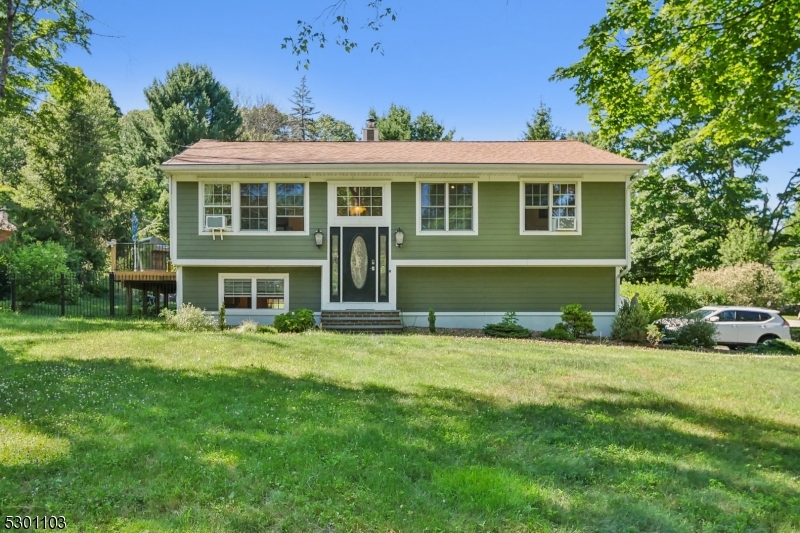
[765, 338]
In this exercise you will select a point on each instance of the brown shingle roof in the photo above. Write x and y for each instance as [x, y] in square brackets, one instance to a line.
[209, 152]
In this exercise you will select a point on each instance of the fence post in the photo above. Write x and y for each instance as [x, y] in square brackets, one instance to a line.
[63, 295]
[111, 296]
[13, 292]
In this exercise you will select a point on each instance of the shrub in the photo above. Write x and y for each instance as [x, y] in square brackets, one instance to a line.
[508, 328]
[577, 321]
[295, 321]
[432, 320]
[661, 300]
[630, 323]
[697, 333]
[221, 320]
[559, 332]
[188, 318]
[247, 326]
[269, 330]
[37, 268]
[654, 335]
[750, 284]
[776, 347]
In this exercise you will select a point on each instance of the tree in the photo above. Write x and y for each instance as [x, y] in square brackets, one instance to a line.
[191, 105]
[744, 243]
[337, 13]
[685, 86]
[302, 113]
[35, 35]
[262, 121]
[541, 127]
[69, 187]
[397, 125]
[327, 128]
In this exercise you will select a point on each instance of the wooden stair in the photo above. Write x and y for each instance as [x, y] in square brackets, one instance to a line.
[367, 321]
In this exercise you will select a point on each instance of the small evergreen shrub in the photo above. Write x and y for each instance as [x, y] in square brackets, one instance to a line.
[432, 320]
[188, 318]
[247, 326]
[559, 332]
[630, 323]
[654, 335]
[295, 321]
[268, 330]
[697, 333]
[776, 347]
[508, 328]
[577, 321]
[221, 320]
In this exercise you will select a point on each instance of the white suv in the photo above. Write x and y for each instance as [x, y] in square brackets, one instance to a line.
[746, 325]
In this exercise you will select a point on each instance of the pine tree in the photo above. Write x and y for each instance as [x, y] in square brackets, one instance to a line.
[541, 127]
[302, 112]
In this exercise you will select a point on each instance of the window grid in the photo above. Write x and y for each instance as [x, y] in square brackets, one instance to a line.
[238, 294]
[217, 200]
[545, 202]
[253, 293]
[253, 206]
[447, 206]
[290, 206]
[359, 201]
[269, 294]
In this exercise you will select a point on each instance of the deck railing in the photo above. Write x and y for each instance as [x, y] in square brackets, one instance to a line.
[138, 257]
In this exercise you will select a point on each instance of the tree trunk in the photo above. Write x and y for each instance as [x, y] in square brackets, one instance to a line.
[8, 35]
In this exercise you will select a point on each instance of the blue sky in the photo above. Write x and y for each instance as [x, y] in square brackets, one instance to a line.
[480, 66]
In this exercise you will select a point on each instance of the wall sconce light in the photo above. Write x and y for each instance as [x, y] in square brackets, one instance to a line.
[318, 238]
[398, 237]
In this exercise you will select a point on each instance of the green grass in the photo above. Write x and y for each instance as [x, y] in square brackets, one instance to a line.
[123, 426]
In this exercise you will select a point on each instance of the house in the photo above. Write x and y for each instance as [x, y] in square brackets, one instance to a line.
[386, 229]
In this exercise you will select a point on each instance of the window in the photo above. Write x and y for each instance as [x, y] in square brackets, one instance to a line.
[550, 207]
[359, 201]
[727, 316]
[253, 205]
[447, 207]
[290, 207]
[751, 316]
[217, 200]
[254, 292]
[256, 207]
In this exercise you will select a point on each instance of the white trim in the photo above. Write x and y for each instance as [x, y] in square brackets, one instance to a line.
[501, 313]
[617, 270]
[447, 231]
[179, 287]
[253, 276]
[344, 306]
[455, 168]
[536, 321]
[385, 220]
[550, 181]
[235, 230]
[509, 262]
[173, 214]
[252, 262]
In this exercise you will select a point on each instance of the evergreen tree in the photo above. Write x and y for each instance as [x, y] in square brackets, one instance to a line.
[303, 111]
[541, 127]
[191, 105]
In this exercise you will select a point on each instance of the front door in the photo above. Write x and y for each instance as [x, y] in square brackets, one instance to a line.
[358, 264]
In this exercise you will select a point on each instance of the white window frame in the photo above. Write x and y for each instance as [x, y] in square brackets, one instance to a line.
[447, 230]
[550, 182]
[336, 220]
[253, 276]
[236, 211]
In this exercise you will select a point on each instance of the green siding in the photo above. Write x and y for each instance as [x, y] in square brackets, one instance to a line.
[194, 246]
[503, 289]
[201, 285]
[498, 227]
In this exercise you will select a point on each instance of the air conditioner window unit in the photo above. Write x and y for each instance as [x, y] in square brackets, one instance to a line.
[216, 223]
[565, 224]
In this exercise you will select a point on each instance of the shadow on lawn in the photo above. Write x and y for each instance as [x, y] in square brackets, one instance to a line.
[251, 450]
[21, 323]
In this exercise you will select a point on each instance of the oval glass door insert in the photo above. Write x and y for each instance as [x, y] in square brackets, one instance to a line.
[358, 262]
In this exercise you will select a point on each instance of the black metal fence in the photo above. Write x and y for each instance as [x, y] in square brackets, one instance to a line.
[84, 294]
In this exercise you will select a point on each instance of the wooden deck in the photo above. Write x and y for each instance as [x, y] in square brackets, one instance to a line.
[145, 275]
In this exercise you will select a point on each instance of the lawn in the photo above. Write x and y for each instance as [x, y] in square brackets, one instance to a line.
[124, 426]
